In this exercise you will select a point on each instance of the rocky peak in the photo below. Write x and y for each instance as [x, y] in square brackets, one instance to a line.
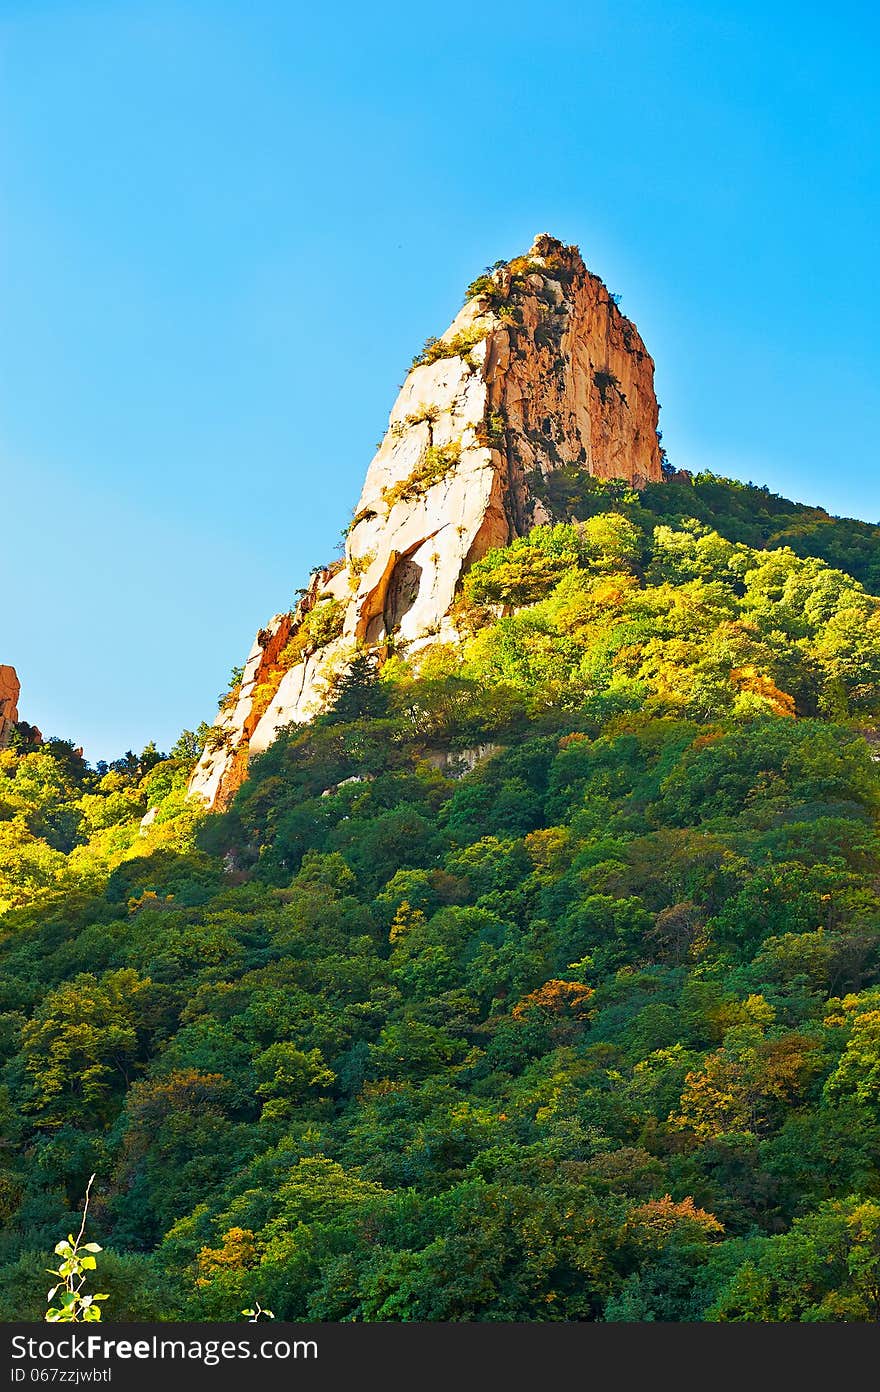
[538, 370]
[10, 690]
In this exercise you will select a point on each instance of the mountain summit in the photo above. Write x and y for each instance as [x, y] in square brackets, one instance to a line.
[539, 370]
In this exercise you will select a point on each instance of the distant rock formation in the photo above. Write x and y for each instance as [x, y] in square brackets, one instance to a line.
[10, 690]
[539, 370]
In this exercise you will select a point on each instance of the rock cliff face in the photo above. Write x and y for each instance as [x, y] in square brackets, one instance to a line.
[539, 370]
[10, 690]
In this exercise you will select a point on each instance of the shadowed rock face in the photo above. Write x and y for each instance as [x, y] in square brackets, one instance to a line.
[10, 690]
[539, 370]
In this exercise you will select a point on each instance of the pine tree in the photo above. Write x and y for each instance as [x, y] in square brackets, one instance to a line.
[357, 693]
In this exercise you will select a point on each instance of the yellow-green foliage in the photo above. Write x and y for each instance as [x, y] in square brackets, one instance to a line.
[436, 464]
[524, 571]
[357, 565]
[320, 626]
[458, 346]
[684, 621]
[519, 268]
[590, 1033]
[62, 823]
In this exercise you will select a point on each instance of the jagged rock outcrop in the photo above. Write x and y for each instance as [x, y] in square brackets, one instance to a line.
[10, 690]
[539, 370]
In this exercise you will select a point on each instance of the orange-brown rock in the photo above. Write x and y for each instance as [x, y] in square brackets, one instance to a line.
[224, 761]
[10, 689]
[573, 380]
[538, 371]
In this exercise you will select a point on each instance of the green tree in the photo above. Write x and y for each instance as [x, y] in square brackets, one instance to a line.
[357, 693]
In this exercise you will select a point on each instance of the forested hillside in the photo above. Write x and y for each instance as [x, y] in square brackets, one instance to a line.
[538, 979]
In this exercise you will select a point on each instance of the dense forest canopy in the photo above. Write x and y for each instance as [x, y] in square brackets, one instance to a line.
[538, 979]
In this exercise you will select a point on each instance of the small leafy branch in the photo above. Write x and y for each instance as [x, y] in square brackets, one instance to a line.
[218, 740]
[436, 464]
[357, 565]
[258, 1313]
[229, 697]
[458, 346]
[77, 1260]
[496, 294]
[486, 286]
[320, 626]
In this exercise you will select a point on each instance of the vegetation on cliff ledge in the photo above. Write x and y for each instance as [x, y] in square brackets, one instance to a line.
[592, 1032]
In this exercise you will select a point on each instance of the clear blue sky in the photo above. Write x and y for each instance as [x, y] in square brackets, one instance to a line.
[227, 224]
